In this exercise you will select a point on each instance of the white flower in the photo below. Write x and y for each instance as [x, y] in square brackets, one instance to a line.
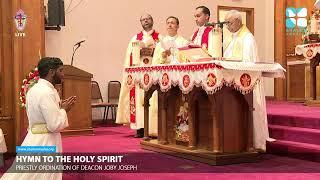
[184, 127]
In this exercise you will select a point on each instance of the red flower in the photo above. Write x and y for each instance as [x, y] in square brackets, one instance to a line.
[27, 83]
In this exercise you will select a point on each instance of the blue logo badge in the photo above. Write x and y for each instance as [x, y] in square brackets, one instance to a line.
[296, 17]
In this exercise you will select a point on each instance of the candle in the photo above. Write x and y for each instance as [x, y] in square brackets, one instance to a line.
[135, 53]
[215, 46]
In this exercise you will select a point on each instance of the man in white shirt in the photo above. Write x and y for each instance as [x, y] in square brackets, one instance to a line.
[166, 50]
[130, 107]
[241, 45]
[47, 115]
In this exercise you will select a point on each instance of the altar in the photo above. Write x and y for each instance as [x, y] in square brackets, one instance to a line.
[204, 109]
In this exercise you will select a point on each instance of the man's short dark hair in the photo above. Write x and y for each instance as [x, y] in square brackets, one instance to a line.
[47, 63]
[177, 20]
[147, 15]
[205, 10]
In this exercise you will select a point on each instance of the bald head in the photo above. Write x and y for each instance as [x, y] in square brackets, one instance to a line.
[146, 21]
[234, 19]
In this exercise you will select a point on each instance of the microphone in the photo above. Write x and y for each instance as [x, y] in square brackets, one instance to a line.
[216, 23]
[75, 47]
[79, 43]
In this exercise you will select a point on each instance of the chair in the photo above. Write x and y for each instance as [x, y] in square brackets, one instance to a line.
[113, 97]
[96, 96]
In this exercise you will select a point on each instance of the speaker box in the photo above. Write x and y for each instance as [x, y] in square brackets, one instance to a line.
[56, 14]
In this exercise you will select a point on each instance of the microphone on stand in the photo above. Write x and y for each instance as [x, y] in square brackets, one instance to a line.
[216, 23]
[77, 45]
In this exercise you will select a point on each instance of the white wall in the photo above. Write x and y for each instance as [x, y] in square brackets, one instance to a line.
[108, 26]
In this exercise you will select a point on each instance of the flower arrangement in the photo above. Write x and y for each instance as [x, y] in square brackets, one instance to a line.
[27, 83]
[311, 32]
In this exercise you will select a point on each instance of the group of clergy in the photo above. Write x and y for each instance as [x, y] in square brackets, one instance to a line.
[239, 45]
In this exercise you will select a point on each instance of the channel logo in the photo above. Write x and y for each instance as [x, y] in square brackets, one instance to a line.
[296, 17]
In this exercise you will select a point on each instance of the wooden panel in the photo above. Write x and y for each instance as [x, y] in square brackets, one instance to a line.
[78, 83]
[293, 40]
[298, 82]
[209, 121]
[204, 122]
[6, 75]
[234, 124]
[298, 88]
[34, 30]
[172, 110]
[5, 58]
[280, 46]
[80, 115]
[285, 42]
[1, 59]
[18, 74]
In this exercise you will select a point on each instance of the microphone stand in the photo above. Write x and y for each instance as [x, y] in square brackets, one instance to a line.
[220, 24]
[74, 51]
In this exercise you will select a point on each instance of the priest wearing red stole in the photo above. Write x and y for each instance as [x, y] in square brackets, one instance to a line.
[202, 36]
[139, 53]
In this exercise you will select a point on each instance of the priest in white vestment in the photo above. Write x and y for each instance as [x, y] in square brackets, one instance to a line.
[130, 107]
[166, 51]
[47, 115]
[241, 45]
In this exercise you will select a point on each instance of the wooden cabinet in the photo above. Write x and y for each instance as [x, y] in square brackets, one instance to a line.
[298, 81]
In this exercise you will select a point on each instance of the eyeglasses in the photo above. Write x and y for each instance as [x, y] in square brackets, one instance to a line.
[229, 23]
